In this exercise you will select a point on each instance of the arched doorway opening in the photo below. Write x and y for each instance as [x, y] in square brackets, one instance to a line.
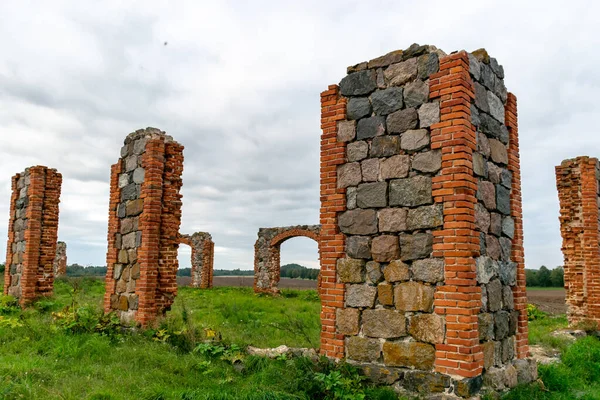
[267, 257]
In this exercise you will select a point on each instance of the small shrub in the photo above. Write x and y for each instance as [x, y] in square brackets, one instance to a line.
[10, 322]
[9, 305]
[232, 353]
[587, 325]
[45, 305]
[534, 313]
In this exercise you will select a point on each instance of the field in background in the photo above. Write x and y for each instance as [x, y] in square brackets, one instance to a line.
[549, 300]
[248, 281]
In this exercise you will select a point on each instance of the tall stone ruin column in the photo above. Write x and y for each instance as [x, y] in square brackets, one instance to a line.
[203, 253]
[143, 227]
[32, 234]
[421, 243]
[60, 260]
[578, 194]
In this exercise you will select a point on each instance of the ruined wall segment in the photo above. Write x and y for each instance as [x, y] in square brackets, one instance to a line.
[412, 200]
[143, 233]
[60, 260]
[32, 234]
[267, 268]
[203, 251]
[578, 193]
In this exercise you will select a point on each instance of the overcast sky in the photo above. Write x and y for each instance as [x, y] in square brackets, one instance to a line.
[237, 83]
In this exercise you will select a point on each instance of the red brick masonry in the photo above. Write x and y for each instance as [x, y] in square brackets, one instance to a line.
[578, 189]
[32, 234]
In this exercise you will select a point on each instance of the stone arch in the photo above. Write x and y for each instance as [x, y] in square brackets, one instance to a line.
[267, 253]
[203, 249]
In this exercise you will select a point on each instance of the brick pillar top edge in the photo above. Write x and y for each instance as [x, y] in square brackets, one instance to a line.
[149, 133]
[39, 167]
[577, 160]
[199, 235]
[415, 50]
[314, 228]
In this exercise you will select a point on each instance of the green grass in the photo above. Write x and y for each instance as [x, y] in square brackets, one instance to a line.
[42, 358]
[46, 354]
[544, 288]
[247, 319]
[577, 376]
[540, 330]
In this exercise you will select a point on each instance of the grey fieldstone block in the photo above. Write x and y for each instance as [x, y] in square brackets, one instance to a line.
[371, 195]
[402, 120]
[385, 146]
[358, 222]
[370, 127]
[429, 161]
[358, 247]
[370, 170]
[414, 140]
[413, 247]
[387, 101]
[358, 107]
[358, 83]
[411, 192]
[357, 151]
[429, 114]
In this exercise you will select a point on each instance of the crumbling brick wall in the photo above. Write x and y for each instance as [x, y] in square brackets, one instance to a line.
[60, 260]
[203, 253]
[143, 228]
[267, 266]
[32, 234]
[416, 147]
[578, 194]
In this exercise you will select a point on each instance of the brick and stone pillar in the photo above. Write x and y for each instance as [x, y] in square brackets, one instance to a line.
[421, 222]
[60, 260]
[203, 253]
[32, 234]
[578, 193]
[143, 229]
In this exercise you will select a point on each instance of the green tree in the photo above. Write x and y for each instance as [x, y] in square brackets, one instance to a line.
[543, 275]
[557, 277]
[531, 277]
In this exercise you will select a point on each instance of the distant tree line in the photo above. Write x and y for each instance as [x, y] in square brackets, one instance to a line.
[544, 277]
[80, 270]
[296, 271]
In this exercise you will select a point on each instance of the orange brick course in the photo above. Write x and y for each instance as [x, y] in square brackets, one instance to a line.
[516, 209]
[457, 242]
[333, 201]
